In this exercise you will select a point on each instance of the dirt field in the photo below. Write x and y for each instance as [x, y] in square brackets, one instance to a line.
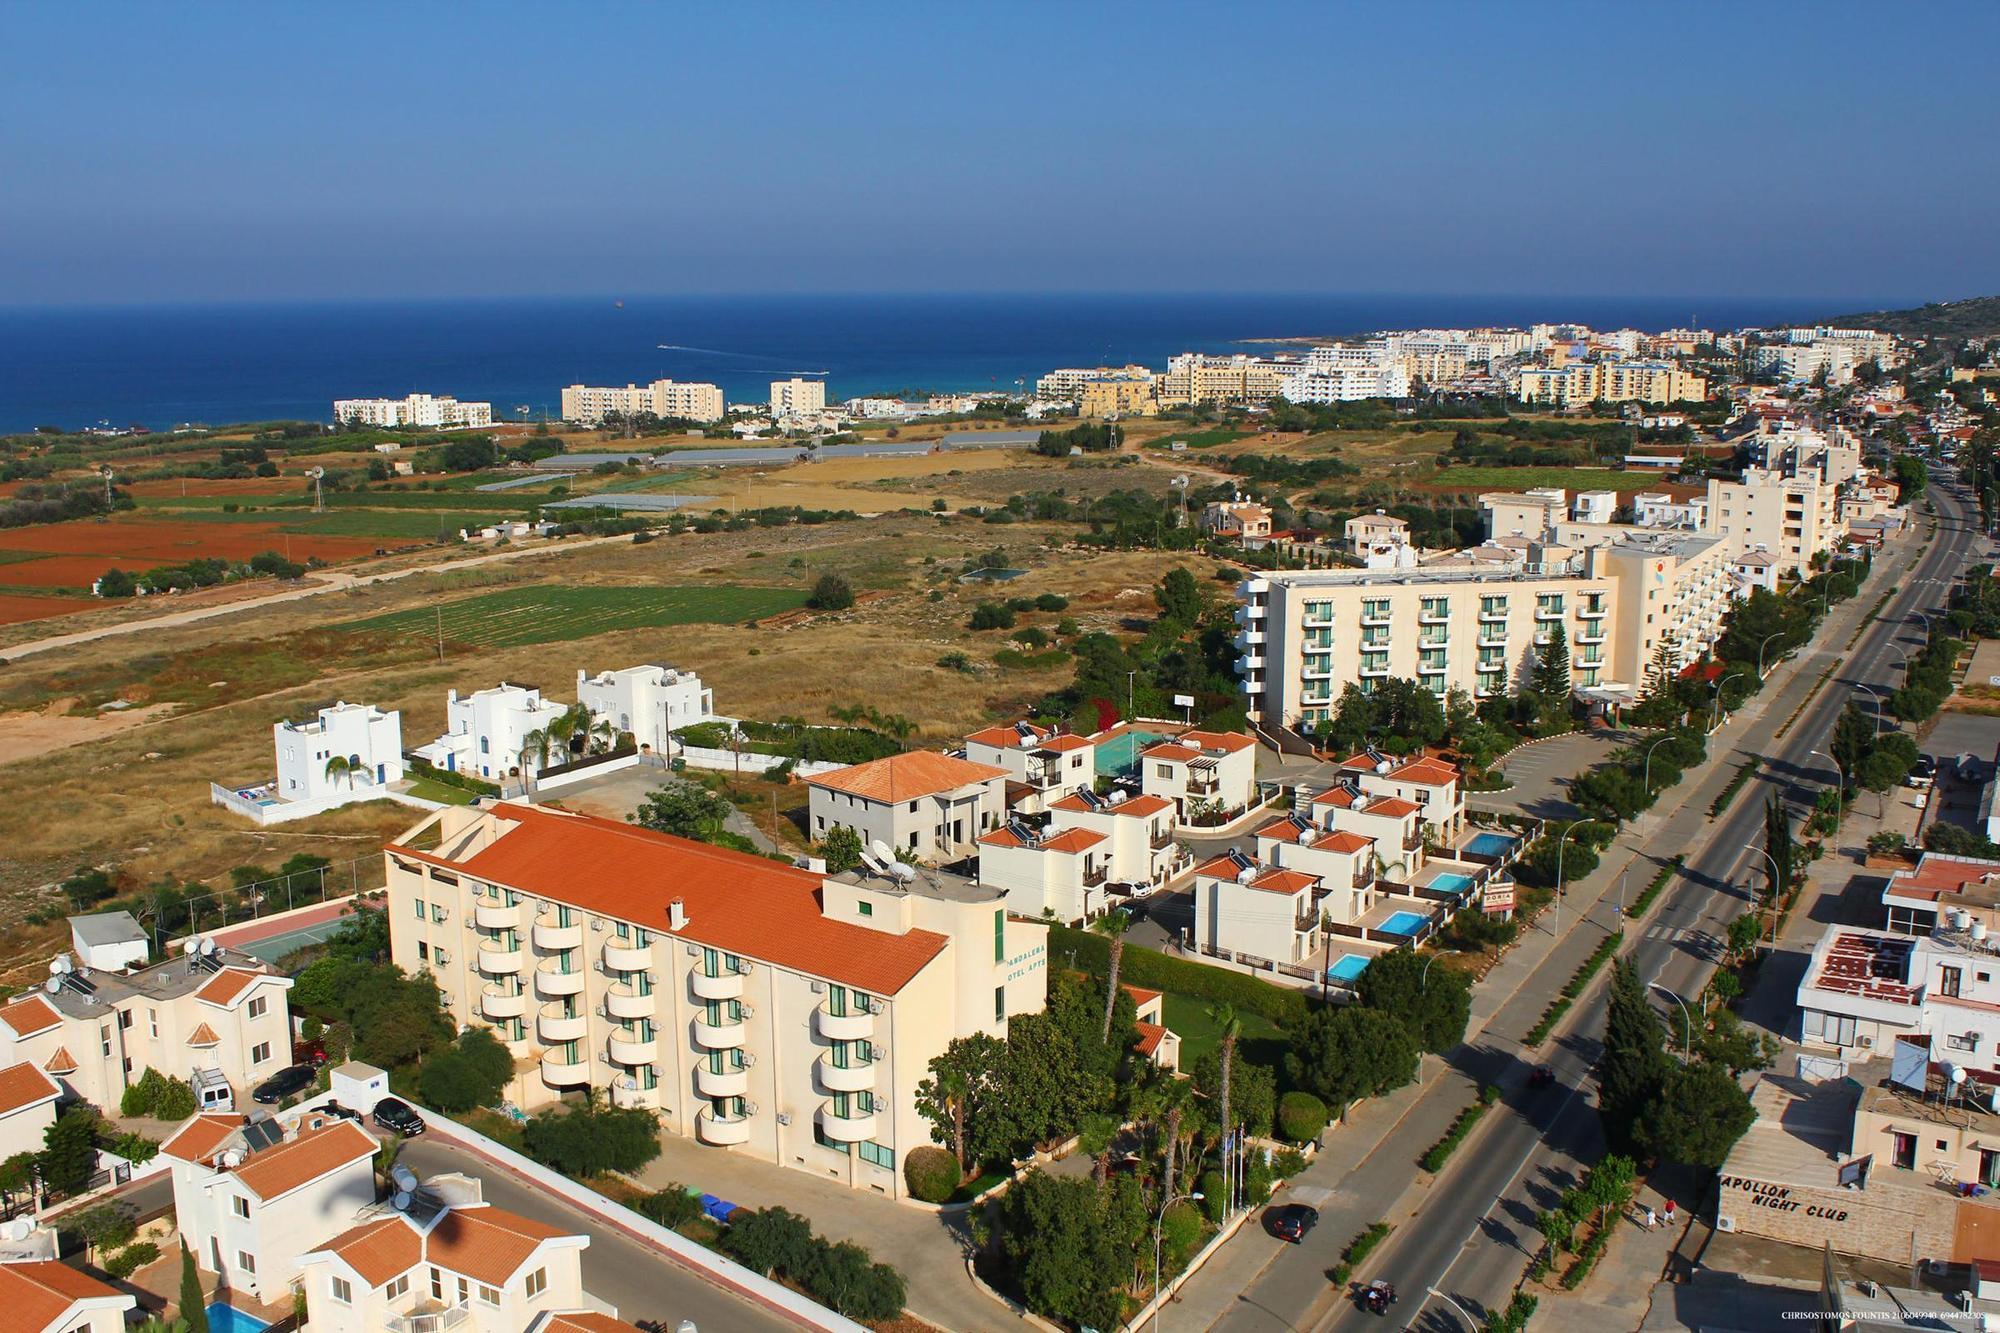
[81, 550]
[18, 610]
[207, 486]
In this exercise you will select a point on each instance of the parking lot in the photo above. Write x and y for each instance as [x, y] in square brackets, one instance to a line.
[1541, 773]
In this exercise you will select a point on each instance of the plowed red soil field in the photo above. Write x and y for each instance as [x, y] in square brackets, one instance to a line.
[14, 608]
[80, 551]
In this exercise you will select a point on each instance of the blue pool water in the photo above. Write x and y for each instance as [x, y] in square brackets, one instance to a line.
[1492, 844]
[1120, 755]
[228, 1319]
[1452, 882]
[1348, 968]
[1403, 923]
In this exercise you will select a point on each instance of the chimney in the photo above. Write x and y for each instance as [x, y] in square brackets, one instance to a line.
[677, 916]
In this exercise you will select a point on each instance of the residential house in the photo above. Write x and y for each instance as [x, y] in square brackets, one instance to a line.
[1242, 907]
[1366, 533]
[252, 1197]
[648, 702]
[28, 1098]
[344, 750]
[930, 806]
[1431, 784]
[1393, 824]
[1752, 570]
[1236, 518]
[487, 732]
[1063, 873]
[44, 1295]
[1210, 776]
[1344, 862]
[1043, 764]
[1139, 832]
[783, 1013]
[1157, 1042]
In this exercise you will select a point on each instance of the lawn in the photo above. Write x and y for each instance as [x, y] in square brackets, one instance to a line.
[1200, 439]
[424, 789]
[1521, 478]
[549, 614]
[1262, 1042]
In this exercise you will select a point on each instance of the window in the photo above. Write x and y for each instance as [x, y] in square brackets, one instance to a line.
[1948, 979]
[256, 1007]
[104, 1037]
[867, 908]
[342, 1291]
[876, 1154]
[488, 1295]
[400, 1287]
[153, 1016]
[124, 1019]
[538, 1282]
[999, 1004]
[423, 952]
[246, 1261]
[437, 1283]
[1903, 1151]
[836, 1001]
[420, 908]
[437, 913]
[1000, 935]
[240, 1206]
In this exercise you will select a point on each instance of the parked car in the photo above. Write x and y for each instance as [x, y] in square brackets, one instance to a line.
[309, 1052]
[1969, 769]
[1291, 1221]
[1922, 773]
[283, 1084]
[395, 1115]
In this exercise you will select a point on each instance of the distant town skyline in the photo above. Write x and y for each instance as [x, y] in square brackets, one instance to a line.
[234, 153]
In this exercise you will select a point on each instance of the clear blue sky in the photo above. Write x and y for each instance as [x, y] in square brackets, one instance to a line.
[213, 151]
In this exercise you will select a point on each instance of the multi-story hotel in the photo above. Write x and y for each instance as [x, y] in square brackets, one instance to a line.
[1609, 381]
[1193, 377]
[420, 410]
[1069, 382]
[1793, 518]
[787, 1013]
[1118, 396]
[661, 398]
[1307, 634]
[797, 397]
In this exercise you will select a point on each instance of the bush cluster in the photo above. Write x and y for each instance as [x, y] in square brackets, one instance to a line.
[931, 1173]
[842, 1276]
[1156, 971]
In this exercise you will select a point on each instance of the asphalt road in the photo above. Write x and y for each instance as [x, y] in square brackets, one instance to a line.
[1474, 1237]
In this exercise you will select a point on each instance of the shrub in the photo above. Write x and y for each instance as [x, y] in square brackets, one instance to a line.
[1301, 1117]
[931, 1173]
[1150, 968]
[669, 1207]
[1180, 1230]
[769, 1240]
[142, 1097]
[592, 1139]
[1212, 1199]
[134, 1147]
[1050, 601]
[106, 1226]
[991, 615]
[831, 593]
[131, 1259]
[955, 662]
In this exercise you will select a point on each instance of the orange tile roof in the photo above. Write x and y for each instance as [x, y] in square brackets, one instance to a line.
[44, 1294]
[1150, 1037]
[1220, 867]
[313, 1154]
[1171, 752]
[1067, 742]
[1339, 797]
[226, 985]
[1229, 742]
[62, 1062]
[29, 1016]
[1073, 840]
[1284, 830]
[1283, 881]
[203, 1035]
[194, 1141]
[1427, 771]
[1390, 807]
[586, 1321]
[906, 777]
[486, 1244]
[736, 902]
[1344, 841]
[1139, 806]
[1139, 994]
[23, 1085]
[1005, 737]
[377, 1250]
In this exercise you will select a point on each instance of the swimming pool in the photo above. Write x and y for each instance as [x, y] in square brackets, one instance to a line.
[1402, 923]
[228, 1319]
[1492, 844]
[1348, 968]
[1451, 882]
[1120, 755]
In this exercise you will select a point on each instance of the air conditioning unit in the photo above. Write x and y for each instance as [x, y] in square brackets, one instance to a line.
[819, 988]
[443, 915]
[784, 1119]
[744, 967]
[876, 1053]
[694, 951]
[597, 923]
[747, 1060]
[651, 978]
[749, 1108]
[1864, 1043]
[745, 1011]
[600, 967]
[444, 958]
[445, 1000]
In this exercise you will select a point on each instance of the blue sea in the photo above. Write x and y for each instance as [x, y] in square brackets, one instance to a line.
[161, 365]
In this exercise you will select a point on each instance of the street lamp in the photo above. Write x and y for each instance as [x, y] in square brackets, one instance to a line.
[1775, 877]
[1649, 763]
[1902, 656]
[1760, 652]
[1158, 1223]
[1875, 695]
[1562, 845]
[1687, 1024]
[1715, 712]
[1840, 792]
[1470, 1322]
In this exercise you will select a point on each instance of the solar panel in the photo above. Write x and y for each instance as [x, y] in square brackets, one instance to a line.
[79, 983]
[423, 1205]
[261, 1134]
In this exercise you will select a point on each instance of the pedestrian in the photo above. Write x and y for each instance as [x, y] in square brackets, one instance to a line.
[1649, 1221]
[1670, 1212]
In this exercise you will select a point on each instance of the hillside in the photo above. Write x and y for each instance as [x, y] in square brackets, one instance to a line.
[1976, 317]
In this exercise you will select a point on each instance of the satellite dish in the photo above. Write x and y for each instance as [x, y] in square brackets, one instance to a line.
[61, 965]
[52, 985]
[1955, 1073]
[232, 1159]
[20, 1229]
[882, 852]
[190, 944]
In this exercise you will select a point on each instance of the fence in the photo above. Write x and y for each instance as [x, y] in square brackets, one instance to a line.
[750, 761]
[585, 770]
[267, 811]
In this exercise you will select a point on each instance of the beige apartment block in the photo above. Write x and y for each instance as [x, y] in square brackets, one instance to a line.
[662, 398]
[1795, 519]
[797, 397]
[1119, 397]
[783, 1013]
[1610, 381]
[1193, 377]
[1069, 382]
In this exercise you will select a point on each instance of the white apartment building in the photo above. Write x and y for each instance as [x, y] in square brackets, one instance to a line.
[651, 702]
[449, 1261]
[27, 1108]
[1043, 765]
[1864, 988]
[45, 1295]
[486, 732]
[1067, 383]
[1060, 873]
[1242, 907]
[1138, 832]
[1795, 519]
[783, 1013]
[1213, 771]
[929, 805]
[1658, 509]
[218, 1020]
[251, 1197]
[1345, 373]
[662, 398]
[367, 742]
[417, 410]
[1801, 363]
[797, 397]
[1432, 785]
[1394, 825]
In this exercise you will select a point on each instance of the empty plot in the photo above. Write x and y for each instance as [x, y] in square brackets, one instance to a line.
[517, 616]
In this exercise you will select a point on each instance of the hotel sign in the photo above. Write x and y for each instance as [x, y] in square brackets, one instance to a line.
[1497, 897]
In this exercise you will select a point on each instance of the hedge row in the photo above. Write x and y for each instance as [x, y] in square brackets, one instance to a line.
[1586, 1259]
[1440, 1152]
[1722, 802]
[1153, 970]
[1574, 987]
[1357, 1250]
[1515, 1317]
[1657, 886]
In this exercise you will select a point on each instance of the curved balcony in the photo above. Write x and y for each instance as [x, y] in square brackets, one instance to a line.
[846, 1128]
[1250, 638]
[728, 1083]
[559, 1072]
[627, 1047]
[853, 1078]
[496, 916]
[722, 1130]
[555, 1024]
[725, 1036]
[625, 1099]
[722, 986]
[629, 1001]
[548, 935]
[627, 957]
[1249, 662]
[496, 961]
[494, 1002]
[844, 1027]
[549, 981]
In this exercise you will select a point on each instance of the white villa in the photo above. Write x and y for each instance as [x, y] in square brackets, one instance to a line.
[1043, 765]
[651, 702]
[1208, 772]
[487, 730]
[1065, 873]
[1265, 911]
[1138, 831]
[347, 753]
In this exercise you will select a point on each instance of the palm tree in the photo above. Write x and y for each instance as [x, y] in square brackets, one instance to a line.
[1174, 1096]
[954, 1088]
[1095, 1136]
[1112, 925]
[340, 768]
[1227, 1022]
[536, 745]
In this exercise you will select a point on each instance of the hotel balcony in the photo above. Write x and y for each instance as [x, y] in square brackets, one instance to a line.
[1547, 614]
[1594, 637]
[550, 936]
[1375, 672]
[627, 1047]
[497, 961]
[1497, 616]
[1487, 640]
[628, 1001]
[1250, 611]
[1163, 839]
[721, 1131]
[852, 1078]
[1251, 686]
[1431, 668]
[429, 1316]
[1592, 613]
[627, 957]
[724, 1036]
[496, 916]
[1434, 641]
[1306, 922]
[844, 1027]
[1311, 672]
[551, 981]
[730, 1081]
[555, 1023]
[1254, 587]
[1434, 617]
[1376, 620]
[1317, 622]
[626, 1099]
[846, 1128]
[1248, 663]
[1249, 638]
[560, 1071]
[501, 1002]
[724, 985]
[1095, 876]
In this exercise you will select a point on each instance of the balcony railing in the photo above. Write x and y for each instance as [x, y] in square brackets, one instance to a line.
[1163, 839]
[1413, 842]
[1094, 877]
[1305, 921]
[429, 1321]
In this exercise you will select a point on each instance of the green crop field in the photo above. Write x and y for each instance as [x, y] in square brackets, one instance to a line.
[1522, 478]
[517, 616]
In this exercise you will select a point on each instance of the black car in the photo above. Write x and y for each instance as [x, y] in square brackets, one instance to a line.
[1291, 1221]
[397, 1117]
[284, 1083]
[339, 1112]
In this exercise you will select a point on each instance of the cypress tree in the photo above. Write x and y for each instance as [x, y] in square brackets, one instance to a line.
[1634, 1066]
[194, 1310]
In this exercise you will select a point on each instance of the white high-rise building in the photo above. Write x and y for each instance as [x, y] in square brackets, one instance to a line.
[420, 410]
[797, 397]
[662, 398]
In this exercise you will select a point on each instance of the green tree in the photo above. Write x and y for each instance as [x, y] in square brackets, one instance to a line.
[193, 1305]
[684, 809]
[1253, 1091]
[1434, 1003]
[830, 592]
[1229, 1027]
[1072, 1245]
[1301, 1117]
[1112, 925]
[1699, 1113]
[1778, 845]
[1633, 1066]
[1551, 678]
[1342, 1054]
[841, 847]
[69, 1150]
[1179, 597]
[468, 1074]
[962, 1100]
[592, 1139]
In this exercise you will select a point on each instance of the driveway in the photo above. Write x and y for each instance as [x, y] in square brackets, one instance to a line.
[616, 795]
[1541, 773]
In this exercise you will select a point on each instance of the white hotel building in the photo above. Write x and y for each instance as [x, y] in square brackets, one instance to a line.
[784, 1013]
[662, 398]
[420, 410]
